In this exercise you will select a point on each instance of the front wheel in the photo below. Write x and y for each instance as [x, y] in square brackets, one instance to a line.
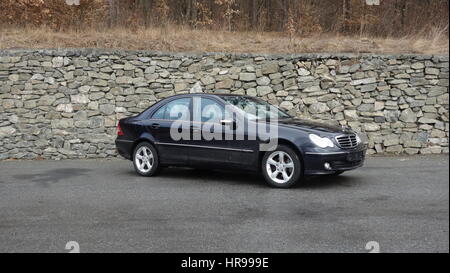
[281, 168]
[145, 159]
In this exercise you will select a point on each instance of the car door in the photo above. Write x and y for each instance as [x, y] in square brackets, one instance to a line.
[166, 124]
[208, 144]
[218, 142]
[242, 141]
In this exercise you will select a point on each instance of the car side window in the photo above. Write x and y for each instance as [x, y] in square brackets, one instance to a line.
[159, 114]
[178, 109]
[211, 110]
[174, 110]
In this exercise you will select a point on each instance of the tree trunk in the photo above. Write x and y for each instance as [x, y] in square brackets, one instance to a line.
[112, 13]
[345, 16]
[191, 13]
[254, 15]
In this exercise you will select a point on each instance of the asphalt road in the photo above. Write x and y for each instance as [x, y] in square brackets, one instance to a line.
[400, 202]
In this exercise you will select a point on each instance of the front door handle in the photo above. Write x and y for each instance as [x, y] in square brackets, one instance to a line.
[155, 125]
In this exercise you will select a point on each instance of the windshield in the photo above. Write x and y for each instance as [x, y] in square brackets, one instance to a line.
[256, 108]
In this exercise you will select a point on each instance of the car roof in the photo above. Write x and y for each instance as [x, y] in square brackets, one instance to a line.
[208, 95]
[188, 95]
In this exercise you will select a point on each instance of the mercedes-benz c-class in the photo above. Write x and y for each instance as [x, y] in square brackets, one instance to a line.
[239, 133]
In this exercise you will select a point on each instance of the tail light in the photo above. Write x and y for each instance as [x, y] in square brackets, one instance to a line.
[119, 130]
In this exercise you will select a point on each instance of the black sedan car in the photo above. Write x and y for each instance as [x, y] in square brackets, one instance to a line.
[236, 132]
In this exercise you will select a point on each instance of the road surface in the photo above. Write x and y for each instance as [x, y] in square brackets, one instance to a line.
[402, 203]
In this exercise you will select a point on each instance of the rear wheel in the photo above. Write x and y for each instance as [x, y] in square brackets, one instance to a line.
[281, 168]
[145, 159]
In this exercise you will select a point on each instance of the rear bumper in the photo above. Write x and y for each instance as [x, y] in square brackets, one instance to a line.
[338, 161]
[124, 147]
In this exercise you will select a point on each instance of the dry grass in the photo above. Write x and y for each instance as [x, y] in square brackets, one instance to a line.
[179, 39]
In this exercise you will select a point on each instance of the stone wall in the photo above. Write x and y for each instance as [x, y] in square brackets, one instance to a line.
[66, 103]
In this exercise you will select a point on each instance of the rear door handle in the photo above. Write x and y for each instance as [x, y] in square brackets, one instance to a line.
[155, 125]
[195, 128]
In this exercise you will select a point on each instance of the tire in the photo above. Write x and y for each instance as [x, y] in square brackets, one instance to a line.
[149, 166]
[284, 173]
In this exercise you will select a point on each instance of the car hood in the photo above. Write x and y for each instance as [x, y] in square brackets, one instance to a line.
[310, 125]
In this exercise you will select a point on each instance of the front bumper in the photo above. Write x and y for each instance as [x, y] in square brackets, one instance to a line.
[337, 161]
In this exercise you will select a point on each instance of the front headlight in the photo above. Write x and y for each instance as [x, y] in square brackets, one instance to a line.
[358, 139]
[322, 142]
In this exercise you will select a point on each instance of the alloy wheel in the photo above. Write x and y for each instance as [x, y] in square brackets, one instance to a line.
[144, 159]
[280, 167]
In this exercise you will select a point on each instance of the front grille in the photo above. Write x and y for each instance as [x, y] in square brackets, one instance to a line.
[347, 141]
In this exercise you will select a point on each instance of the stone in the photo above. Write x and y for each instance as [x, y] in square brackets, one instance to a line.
[318, 108]
[180, 86]
[286, 105]
[263, 81]
[252, 92]
[396, 149]
[7, 131]
[13, 77]
[411, 151]
[67, 108]
[263, 90]
[62, 123]
[84, 89]
[165, 94]
[100, 82]
[427, 120]
[391, 140]
[432, 71]
[411, 92]
[247, 77]
[107, 109]
[270, 68]
[8, 103]
[58, 62]
[350, 115]
[436, 91]
[413, 144]
[378, 105]
[207, 80]
[124, 80]
[303, 72]
[225, 84]
[391, 115]
[368, 88]
[289, 82]
[312, 89]
[197, 88]
[175, 64]
[93, 105]
[79, 99]
[120, 110]
[417, 66]
[282, 93]
[364, 81]
[371, 127]
[408, 115]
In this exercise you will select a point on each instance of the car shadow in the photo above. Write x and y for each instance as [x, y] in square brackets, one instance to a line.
[328, 181]
[50, 177]
[231, 177]
[214, 175]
